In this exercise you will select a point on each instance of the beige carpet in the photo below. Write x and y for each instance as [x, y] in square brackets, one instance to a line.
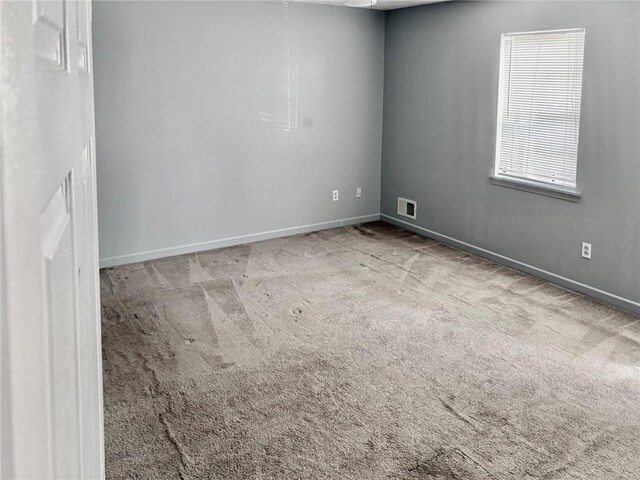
[363, 353]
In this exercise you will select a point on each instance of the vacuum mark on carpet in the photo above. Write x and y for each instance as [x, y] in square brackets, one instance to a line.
[185, 459]
[463, 418]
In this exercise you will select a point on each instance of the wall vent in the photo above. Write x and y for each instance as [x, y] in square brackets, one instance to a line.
[407, 208]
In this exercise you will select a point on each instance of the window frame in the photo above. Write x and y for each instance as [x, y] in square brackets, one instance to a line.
[550, 189]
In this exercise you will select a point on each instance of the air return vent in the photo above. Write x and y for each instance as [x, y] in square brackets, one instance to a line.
[407, 208]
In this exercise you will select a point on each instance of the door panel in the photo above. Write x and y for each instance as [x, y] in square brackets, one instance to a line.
[88, 331]
[51, 368]
[58, 254]
[82, 32]
[49, 33]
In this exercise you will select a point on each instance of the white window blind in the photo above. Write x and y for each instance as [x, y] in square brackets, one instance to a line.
[539, 106]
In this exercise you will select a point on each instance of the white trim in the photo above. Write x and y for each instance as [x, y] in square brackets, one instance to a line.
[232, 241]
[547, 189]
[496, 158]
[611, 298]
[608, 297]
[544, 32]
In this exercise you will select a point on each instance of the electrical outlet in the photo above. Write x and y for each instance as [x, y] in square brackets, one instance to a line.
[336, 195]
[586, 250]
[358, 192]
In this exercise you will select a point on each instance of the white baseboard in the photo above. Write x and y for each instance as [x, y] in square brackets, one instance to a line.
[232, 241]
[611, 298]
[608, 297]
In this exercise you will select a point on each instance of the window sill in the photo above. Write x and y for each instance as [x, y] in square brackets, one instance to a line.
[563, 193]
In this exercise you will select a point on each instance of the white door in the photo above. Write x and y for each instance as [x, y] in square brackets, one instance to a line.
[51, 355]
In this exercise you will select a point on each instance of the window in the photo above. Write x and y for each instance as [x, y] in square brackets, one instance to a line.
[539, 108]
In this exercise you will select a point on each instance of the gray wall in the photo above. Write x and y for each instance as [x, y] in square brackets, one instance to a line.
[440, 93]
[223, 119]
